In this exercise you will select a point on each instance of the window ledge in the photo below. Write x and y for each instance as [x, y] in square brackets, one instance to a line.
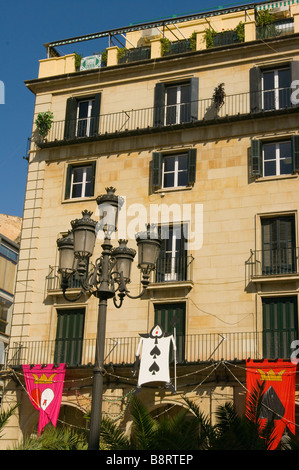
[170, 285]
[171, 190]
[274, 178]
[276, 278]
[78, 199]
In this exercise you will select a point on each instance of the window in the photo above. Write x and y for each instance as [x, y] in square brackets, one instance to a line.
[172, 319]
[82, 117]
[176, 103]
[280, 326]
[275, 158]
[80, 181]
[85, 118]
[8, 253]
[270, 89]
[278, 245]
[276, 86]
[172, 261]
[69, 336]
[173, 170]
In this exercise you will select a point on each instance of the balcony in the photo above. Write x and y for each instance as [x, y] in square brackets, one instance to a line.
[275, 264]
[148, 120]
[122, 351]
[277, 28]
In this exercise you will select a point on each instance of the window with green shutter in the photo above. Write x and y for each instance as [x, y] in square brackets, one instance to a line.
[270, 88]
[278, 245]
[80, 181]
[280, 326]
[275, 158]
[173, 170]
[176, 103]
[172, 319]
[69, 336]
[172, 262]
[82, 117]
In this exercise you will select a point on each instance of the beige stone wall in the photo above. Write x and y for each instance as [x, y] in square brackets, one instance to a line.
[217, 301]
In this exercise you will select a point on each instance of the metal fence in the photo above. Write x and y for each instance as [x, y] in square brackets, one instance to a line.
[272, 262]
[154, 117]
[122, 350]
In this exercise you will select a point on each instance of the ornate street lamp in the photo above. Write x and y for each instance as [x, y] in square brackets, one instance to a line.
[108, 278]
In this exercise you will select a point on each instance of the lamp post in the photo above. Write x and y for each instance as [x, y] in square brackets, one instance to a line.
[108, 278]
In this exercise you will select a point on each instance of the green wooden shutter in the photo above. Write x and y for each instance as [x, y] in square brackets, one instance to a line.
[278, 245]
[67, 193]
[165, 315]
[256, 158]
[280, 326]
[70, 118]
[69, 336]
[255, 79]
[182, 256]
[95, 114]
[157, 170]
[295, 152]
[191, 166]
[159, 105]
[93, 176]
[194, 98]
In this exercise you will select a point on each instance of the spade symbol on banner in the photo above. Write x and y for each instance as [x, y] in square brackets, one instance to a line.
[273, 408]
[154, 368]
[155, 352]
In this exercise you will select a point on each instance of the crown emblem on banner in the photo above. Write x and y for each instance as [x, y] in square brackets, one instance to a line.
[43, 379]
[271, 375]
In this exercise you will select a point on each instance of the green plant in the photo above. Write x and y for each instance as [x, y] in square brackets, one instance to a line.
[104, 55]
[165, 46]
[209, 35]
[78, 58]
[240, 30]
[218, 96]
[193, 41]
[121, 52]
[44, 122]
[264, 18]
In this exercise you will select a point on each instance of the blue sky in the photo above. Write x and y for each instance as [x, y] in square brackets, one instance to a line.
[25, 26]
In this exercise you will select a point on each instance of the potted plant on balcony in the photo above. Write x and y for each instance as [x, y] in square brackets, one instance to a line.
[43, 123]
[218, 96]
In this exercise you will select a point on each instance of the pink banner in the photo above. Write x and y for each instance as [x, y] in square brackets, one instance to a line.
[44, 386]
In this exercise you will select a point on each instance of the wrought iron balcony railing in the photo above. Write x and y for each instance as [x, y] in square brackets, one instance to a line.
[272, 262]
[122, 351]
[168, 269]
[277, 28]
[149, 119]
[173, 268]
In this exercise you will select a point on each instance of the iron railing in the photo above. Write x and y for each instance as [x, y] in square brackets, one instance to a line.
[241, 104]
[122, 350]
[277, 28]
[272, 262]
[173, 268]
[168, 269]
[132, 55]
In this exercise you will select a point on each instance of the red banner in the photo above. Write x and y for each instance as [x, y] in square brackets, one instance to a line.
[279, 380]
[44, 386]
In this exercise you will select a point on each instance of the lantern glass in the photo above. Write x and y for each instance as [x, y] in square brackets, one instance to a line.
[84, 235]
[66, 254]
[84, 241]
[124, 257]
[148, 252]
